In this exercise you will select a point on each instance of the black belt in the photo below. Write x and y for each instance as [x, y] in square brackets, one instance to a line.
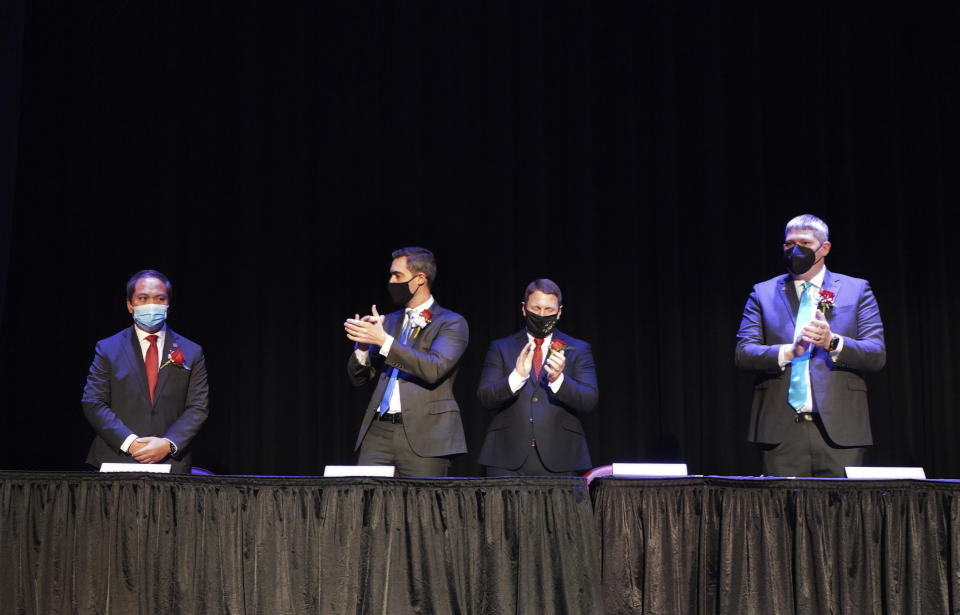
[394, 418]
[804, 416]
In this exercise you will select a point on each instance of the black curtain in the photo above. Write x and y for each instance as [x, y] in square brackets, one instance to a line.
[644, 155]
[165, 544]
[760, 547]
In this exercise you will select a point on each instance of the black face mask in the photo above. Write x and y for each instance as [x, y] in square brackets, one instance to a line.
[400, 292]
[799, 259]
[540, 326]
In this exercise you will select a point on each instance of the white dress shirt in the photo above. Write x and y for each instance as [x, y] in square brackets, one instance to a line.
[363, 356]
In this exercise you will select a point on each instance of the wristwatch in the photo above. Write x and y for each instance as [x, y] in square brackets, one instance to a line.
[834, 343]
[173, 447]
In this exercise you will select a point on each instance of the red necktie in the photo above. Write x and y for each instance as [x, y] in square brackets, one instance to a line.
[537, 357]
[152, 363]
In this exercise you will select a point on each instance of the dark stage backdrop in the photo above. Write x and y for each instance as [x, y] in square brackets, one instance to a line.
[645, 155]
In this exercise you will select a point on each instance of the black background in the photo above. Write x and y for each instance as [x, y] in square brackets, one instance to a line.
[268, 157]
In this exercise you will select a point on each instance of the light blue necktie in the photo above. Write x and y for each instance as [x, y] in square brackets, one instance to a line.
[800, 366]
[388, 393]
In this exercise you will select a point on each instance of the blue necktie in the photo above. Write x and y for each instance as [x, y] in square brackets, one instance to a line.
[800, 366]
[388, 392]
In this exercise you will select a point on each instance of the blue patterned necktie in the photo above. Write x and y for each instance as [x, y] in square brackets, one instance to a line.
[388, 392]
[800, 366]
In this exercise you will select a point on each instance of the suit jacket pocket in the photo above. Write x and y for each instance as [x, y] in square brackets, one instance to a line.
[440, 406]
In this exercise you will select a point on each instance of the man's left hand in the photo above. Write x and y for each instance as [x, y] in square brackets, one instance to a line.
[152, 451]
[554, 365]
[818, 332]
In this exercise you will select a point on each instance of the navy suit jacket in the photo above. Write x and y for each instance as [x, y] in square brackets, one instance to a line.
[428, 366]
[536, 412]
[116, 398]
[838, 389]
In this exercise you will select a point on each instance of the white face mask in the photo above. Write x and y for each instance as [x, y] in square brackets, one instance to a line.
[150, 316]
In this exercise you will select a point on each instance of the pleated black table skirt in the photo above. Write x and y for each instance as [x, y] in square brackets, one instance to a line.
[92, 543]
[766, 547]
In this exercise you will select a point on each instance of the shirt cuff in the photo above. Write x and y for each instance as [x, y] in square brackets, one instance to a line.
[385, 349]
[781, 361]
[516, 381]
[363, 356]
[555, 385]
[126, 443]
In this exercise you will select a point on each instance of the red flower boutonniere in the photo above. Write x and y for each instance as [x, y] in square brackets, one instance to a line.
[176, 358]
[557, 345]
[825, 301]
[421, 320]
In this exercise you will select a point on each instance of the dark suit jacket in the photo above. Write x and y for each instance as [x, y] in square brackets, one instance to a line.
[428, 366]
[838, 389]
[116, 398]
[535, 412]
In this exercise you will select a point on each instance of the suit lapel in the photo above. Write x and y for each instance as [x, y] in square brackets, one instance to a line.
[788, 297]
[135, 357]
[425, 337]
[169, 343]
[831, 283]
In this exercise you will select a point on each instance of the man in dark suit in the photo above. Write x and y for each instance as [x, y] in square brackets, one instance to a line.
[412, 421]
[146, 393]
[809, 335]
[538, 380]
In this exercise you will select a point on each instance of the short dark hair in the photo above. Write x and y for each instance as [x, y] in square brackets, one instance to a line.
[547, 287]
[419, 260]
[147, 273]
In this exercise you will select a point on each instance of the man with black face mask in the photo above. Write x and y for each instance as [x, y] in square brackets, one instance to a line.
[809, 336]
[412, 421]
[538, 380]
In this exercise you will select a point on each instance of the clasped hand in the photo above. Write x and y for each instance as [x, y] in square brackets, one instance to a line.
[554, 364]
[149, 449]
[367, 330]
[816, 332]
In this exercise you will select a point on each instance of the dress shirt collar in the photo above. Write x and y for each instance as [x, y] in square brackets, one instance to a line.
[142, 335]
[546, 340]
[423, 306]
[816, 280]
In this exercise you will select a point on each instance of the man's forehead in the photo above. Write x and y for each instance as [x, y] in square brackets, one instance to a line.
[148, 285]
[539, 297]
[801, 233]
[399, 265]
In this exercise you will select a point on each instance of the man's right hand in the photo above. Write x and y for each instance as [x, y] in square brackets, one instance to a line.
[525, 361]
[797, 349]
[135, 446]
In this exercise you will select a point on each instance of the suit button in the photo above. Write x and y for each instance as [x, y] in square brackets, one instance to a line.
[536, 399]
[531, 419]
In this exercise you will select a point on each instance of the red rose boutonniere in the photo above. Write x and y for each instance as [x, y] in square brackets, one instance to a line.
[557, 345]
[825, 302]
[176, 358]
